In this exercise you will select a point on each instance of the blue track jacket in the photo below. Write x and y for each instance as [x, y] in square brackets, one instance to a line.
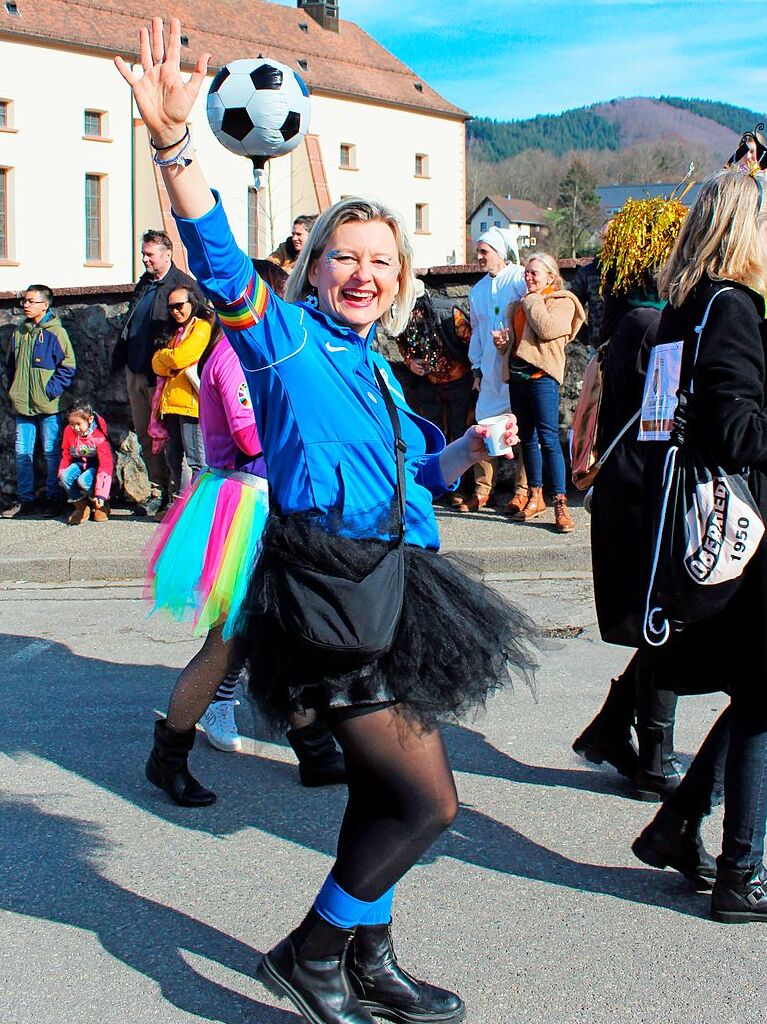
[326, 435]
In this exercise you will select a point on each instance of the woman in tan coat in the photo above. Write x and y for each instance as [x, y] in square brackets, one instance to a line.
[540, 326]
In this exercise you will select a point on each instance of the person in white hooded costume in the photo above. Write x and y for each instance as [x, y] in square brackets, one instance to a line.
[503, 283]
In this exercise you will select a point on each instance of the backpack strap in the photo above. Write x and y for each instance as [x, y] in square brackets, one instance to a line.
[399, 449]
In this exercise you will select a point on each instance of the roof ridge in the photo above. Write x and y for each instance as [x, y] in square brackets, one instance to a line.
[354, 64]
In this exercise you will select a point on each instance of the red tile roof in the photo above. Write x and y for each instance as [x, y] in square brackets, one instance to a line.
[348, 62]
[518, 211]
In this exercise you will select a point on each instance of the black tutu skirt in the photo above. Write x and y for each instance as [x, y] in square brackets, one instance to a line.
[458, 640]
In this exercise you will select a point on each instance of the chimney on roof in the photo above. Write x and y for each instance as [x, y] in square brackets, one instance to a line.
[324, 12]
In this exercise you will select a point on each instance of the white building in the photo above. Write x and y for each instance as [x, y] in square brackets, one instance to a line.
[526, 220]
[77, 183]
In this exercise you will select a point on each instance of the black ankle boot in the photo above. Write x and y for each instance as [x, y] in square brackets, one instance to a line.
[659, 773]
[608, 736]
[739, 897]
[671, 841]
[320, 762]
[387, 991]
[167, 767]
[308, 969]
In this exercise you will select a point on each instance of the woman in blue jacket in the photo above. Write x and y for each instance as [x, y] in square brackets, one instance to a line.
[329, 447]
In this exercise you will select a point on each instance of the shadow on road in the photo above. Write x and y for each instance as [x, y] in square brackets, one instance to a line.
[94, 718]
[146, 936]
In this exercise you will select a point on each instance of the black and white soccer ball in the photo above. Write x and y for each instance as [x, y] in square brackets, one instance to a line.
[258, 107]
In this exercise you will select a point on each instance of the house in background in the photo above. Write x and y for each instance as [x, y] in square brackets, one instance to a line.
[613, 197]
[522, 217]
[77, 182]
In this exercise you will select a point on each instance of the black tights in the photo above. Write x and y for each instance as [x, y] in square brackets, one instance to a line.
[401, 797]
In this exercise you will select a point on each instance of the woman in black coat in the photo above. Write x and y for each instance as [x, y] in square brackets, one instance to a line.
[723, 244]
[632, 312]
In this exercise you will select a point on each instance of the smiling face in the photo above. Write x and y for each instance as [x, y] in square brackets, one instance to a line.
[357, 274]
[537, 277]
[179, 306]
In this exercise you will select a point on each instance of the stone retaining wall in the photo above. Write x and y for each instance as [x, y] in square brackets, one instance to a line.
[94, 317]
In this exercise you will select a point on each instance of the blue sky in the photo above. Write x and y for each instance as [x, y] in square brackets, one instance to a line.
[507, 59]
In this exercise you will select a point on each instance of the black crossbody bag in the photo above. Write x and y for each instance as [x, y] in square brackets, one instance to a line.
[345, 623]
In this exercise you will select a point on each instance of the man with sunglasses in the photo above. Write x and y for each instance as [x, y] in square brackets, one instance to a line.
[149, 321]
[40, 366]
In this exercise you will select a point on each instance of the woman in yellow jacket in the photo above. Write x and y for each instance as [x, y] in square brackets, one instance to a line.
[176, 365]
[540, 326]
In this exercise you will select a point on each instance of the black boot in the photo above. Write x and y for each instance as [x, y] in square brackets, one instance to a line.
[671, 841]
[659, 773]
[388, 991]
[608, 737]
[167, 767]
[308, 969]
[320, 762]
[739, 897]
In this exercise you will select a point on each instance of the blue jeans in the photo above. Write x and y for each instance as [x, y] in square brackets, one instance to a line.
[185, 440]
[733, 757]
[77, 482]
[26, 435]
[535, 403]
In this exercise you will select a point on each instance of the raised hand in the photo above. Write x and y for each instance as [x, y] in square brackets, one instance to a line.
[162, 96]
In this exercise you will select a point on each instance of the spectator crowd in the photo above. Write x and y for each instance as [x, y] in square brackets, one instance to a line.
[461, 364]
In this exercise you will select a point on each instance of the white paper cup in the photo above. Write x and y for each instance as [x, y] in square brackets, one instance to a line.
[496, 441]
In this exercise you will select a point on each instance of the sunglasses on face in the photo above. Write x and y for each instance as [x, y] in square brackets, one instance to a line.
[176, 307]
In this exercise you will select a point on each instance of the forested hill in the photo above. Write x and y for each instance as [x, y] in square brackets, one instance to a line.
[614, 125]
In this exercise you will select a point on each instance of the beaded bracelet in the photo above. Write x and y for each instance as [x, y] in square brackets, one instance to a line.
[179, 159]
[161, 149]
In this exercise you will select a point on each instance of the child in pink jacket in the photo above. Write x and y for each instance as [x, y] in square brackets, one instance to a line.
[86, 467]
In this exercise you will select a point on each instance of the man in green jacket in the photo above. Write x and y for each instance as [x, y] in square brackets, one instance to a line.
[40, 365]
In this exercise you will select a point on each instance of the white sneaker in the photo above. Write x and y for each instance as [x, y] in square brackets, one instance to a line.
[220, 726]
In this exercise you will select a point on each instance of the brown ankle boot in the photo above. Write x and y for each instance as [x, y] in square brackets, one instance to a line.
[563, 521]
[518, 502]
[100, 515]
[80, 513]
[535, 506]
[474, 503]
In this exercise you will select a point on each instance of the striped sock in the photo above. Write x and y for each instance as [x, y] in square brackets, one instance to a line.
[227, 685]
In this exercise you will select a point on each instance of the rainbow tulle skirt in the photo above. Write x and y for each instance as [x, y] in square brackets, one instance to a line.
[202, 554]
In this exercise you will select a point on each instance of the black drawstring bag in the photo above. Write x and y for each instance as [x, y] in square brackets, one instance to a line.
[343, 622]
[708, 529]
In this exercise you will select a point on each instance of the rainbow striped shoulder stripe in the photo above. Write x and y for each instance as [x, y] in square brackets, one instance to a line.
[246, 311]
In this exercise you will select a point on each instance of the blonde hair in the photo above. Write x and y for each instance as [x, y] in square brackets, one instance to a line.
[355, 208]
[551, 266]
[719, 238]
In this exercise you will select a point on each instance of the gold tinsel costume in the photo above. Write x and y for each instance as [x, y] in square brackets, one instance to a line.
[640, 238]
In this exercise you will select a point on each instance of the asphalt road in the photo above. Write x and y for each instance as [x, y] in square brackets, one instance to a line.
[117, 907]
